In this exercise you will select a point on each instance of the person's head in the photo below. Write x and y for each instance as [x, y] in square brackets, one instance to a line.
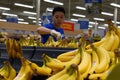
[58, 15]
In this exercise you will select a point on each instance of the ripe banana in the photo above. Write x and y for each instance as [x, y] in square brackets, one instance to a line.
[85, 74]
[109, 42]
[103, 75]
[116, 42]
[59, 74]
[67, 56]
[53, 63]
[95, 61]
[82, 67]
[103, 59]
[43, 70]
[12, 72]
[25, 72]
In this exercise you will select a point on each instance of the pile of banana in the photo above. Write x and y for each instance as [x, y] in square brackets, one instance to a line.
[7, 72]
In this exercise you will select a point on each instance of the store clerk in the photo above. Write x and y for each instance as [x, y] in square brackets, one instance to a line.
[54, 28]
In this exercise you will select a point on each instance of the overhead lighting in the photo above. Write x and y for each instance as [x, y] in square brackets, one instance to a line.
[23, 22]
[27, 12]
[115, 5]
[106, 13]
[78, 15]
[4, 8]
[74, 20]
[50, 9]
[116, 22]
[99, 19]
[35, 22]
[33, 18]
[20, 19]
[54, 2]
[106, 25]
[93, 22]
[8, 14]
[101, 27]
[3, 20]
[79, 7]
[90, 26]
[23, 5]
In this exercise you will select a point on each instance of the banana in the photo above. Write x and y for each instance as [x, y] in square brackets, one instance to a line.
[75, 60]
[95, 61]
[12, 72]
[59, 74]
[43, 70]
[70, 72]
[53, 63]
[98, 43]
[103, 75]
[85, 74]
[25, 72]
[103, 59]
[84, 62]
[5, 70]
[109, 42]
[116, 42]
[67, 56]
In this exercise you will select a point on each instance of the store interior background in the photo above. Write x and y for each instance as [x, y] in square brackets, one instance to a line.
[70, 8]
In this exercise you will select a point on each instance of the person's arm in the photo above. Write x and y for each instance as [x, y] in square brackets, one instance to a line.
[43, 30]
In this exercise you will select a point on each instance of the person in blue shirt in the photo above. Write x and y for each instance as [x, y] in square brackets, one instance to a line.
[54, 28]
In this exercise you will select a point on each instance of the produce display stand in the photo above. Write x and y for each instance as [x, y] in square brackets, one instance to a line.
[32, 53]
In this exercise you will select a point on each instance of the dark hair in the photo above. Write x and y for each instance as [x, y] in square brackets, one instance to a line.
[58, 9]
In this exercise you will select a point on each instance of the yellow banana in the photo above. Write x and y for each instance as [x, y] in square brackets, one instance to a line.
[109, 42]
[75, 60]
[12, 72]
[116, 42]
[103, 75]
[44, 70]
[98, 43]
[95, 61]
[85, 74]
[67, 55]
[59, 74]
[84, 62]
[53, 63]
[103, 59]
[27, 71]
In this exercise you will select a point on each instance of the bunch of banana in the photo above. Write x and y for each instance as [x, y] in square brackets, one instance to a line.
[14, 49]
[63, 44]
[4, 70]
[68, 73]
[50, 42]
[67, 56]
[41, 70]
[25, 72]
[72, 43]
[53, 63]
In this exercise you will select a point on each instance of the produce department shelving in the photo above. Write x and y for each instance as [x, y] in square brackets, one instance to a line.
[32, 53]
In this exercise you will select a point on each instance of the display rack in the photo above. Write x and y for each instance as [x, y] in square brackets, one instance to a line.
[32, 53]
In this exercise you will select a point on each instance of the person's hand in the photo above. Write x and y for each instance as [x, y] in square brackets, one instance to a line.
[56, 34]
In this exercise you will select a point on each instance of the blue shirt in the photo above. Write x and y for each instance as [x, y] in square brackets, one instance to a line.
[52, 27]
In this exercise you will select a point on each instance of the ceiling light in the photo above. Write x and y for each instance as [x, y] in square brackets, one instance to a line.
[105, 13]
[27, 12]
[74, 19]
[23, 22]
[4, 8]
[54, 2]
[99, 19]
[50, 9]
[3, 20]
[78, 15]
[93, 22]
[90, 26]
[33, 18]
[7, 14]
[115, 5]
[79, 7]
[101, 27]
[35, 22]
[20, 19]
[23, 5]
